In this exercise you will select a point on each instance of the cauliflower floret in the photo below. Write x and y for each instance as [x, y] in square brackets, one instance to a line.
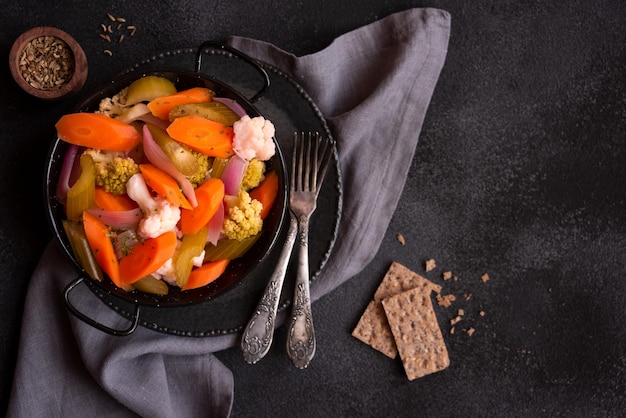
[243, 217]
[253, 175]
[114, 106]
[113, 169]
[166, 271]
[253, 138]
[159, 215]
[203, 170]
[162, 220]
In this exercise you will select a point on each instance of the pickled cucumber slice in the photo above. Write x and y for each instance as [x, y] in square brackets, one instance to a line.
[214, 111]
[80, 247]
[229, 248]
[181, 156]
[148, 88]
[150, 284]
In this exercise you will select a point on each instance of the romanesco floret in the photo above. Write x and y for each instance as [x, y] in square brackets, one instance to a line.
[114, 106]
[113, 169]
[253, 175]
[203, 170]
[243, 218]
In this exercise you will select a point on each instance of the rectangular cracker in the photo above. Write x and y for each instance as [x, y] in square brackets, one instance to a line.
[373, 328]
[399, 279]
[417, 334]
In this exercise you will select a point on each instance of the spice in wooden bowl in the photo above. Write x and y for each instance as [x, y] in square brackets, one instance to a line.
[48, 63]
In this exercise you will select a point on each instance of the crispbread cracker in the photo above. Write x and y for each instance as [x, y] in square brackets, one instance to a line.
[399, 279]
[416, 332]
[373, 328]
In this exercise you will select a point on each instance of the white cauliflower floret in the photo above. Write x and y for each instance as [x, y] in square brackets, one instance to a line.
[114, 106]
[166, 271]
[159, 215]
[162, 220]
[253, 138]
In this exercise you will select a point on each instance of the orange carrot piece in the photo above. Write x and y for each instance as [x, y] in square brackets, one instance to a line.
[146, 257]
[95, 130]
[102, 248]
[266, 192]
[203, 135]
[110, 201]
[162, 106]
[164, 185]
[210, 195]
[205, 274]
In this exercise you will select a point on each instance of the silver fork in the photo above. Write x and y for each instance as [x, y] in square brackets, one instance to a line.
[311, 156]
[258, 334]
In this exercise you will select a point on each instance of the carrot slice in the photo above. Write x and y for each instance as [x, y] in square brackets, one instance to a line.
[110, 201]
[266, 192]
[146, 257]
[102, 248]
[162, 106]
[164, 185]
[206, 274]
[203, 135]
[96, 130]
[210, 195]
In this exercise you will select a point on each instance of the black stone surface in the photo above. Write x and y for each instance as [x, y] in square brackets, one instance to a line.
[519, 173]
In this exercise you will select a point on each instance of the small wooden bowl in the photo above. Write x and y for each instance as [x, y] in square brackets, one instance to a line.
[48, 63]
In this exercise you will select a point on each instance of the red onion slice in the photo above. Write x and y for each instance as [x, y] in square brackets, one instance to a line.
[118, 218]
[232, 105]
[233, 174]
[150, 118]
[66, 172]
[156, 156]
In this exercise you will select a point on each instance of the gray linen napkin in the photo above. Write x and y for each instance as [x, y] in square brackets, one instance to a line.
[373, 85]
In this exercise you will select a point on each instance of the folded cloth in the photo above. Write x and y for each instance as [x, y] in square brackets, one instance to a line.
[373, 85]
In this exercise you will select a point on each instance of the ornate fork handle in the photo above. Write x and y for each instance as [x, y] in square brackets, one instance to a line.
[301, 335]
[258, 334]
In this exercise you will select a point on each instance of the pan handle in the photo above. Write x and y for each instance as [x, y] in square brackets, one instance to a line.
[254, 63]
[89, 321]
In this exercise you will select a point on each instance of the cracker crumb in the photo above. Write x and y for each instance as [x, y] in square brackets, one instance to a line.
[467, 296]
[445, 300]
[484, 278]
[470, 331]
[430, 264]
[455, 320]
[460, 312]
[447, 275]
[481, 313]
[452, 330]
[455, 278]
[401, 239]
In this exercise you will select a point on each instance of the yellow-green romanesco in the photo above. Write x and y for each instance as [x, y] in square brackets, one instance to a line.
[113, 169]
[243, 217]
[203, 170]
[253, 175]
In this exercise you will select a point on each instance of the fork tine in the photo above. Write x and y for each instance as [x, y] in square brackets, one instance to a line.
[323, 163]
[293, 161]
[308, 178]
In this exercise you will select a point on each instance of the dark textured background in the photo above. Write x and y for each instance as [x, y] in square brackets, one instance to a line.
[519, 172]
